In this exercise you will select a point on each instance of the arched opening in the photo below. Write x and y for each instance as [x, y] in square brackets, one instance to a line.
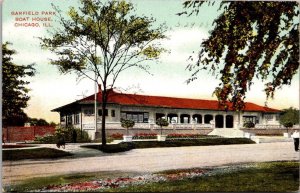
[197, 118]
[184, 118]
[208, 118]
[172, 118]
[219, 121]
[229, 121]
[159, 115]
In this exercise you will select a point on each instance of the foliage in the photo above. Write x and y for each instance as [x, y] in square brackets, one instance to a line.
[250, 39]
[289, 116]
[145, 136]
[127, 123]
[162, 123]
[48, 139]
[249, 124]
[67, 133]
[104, 39]
[15, 91]
[117, 136]
[37, 153]
[39, 122]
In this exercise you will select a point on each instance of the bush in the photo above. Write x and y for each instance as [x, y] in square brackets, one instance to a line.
[145, 136]
[249, 124]
[189, 136]
[127, 123]
[117, 136]
[67, 133]
[162, 123]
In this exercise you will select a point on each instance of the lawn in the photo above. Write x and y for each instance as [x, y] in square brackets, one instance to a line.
[263, 177]
[126, 146]
[252, 177]
[36, 153]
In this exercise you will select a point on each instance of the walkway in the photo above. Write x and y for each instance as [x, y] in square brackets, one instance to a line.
[152, 160]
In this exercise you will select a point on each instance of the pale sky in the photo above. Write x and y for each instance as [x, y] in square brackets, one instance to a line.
[50, 89]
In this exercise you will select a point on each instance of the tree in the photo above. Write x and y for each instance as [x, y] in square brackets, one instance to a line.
[15, 91]
[101, 40]
[250, 39]
[38, 122]
[289, 117]
[126, 123]
[162, 123]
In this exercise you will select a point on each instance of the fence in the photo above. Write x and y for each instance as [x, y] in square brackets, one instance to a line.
[22, 134]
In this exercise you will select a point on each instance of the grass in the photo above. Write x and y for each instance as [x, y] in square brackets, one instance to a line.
[40, 182]
[126, 146]
[259, 177]
[264, 177]
[37, 153]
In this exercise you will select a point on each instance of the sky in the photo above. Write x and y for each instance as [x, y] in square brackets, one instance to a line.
[51, 89]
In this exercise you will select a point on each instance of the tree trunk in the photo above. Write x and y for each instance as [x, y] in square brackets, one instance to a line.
[104, 102]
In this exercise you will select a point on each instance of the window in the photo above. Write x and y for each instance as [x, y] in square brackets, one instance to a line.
[113, 113]
[252, 119]
[100, 112]
[269, 117]
[62, 118]
[146, 118]
[88, 112]
[69, 120]
[76, 119]
[138, 117]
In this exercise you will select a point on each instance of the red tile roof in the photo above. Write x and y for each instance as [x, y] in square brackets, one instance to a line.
[169, 102]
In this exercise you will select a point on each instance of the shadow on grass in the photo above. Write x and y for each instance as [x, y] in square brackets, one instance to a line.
[36, 153]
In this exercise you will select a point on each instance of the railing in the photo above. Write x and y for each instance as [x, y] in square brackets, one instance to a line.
[149, 126]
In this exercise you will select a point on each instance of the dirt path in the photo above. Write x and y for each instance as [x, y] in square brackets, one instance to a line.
[152, 160]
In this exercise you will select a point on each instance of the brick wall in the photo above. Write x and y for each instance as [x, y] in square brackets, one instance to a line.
[22, 134]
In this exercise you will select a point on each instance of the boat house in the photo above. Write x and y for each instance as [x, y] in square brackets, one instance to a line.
[184, 115]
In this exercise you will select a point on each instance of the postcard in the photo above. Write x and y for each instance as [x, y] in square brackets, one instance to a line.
[142, 95]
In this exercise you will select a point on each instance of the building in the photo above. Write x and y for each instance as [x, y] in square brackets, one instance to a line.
[182, 113]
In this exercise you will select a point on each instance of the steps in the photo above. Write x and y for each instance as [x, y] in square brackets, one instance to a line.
[230, 133]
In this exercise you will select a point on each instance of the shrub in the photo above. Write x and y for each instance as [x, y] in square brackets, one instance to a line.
[162, 123]
[249, 124]
[66, 132]
[126, 123]
[117, 136]
[145, 136]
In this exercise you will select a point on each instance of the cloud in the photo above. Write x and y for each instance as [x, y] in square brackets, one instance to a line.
[182, 43]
